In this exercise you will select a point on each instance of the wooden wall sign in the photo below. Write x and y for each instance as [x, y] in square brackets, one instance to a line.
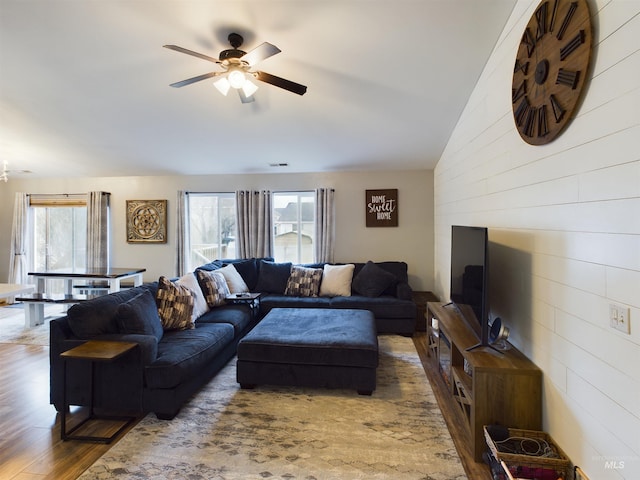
[382, 208]
[146, 221]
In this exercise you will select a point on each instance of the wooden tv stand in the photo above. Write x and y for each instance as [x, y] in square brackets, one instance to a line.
[488, 387]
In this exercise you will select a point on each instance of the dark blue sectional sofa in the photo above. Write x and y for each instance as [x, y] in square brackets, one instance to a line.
[165, 370]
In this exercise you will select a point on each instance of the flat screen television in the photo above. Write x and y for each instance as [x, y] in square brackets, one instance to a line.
[470, 278]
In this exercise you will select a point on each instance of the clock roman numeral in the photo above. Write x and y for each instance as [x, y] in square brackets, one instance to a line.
[574, 43]
[558, 111]
[523, 67]
[553, 15]
[519, 92]
[528, 40]
[530, 123]
[543, 128]
[541, 19]
[568, 78]
[567, 19]
[521, 112]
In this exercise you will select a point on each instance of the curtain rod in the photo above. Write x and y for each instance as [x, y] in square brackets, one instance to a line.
[61, 194]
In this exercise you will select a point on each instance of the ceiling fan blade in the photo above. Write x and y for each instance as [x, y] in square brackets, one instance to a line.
[189, 81]
[281, 82]
[244, 98]
[191, 52]
[260, 53]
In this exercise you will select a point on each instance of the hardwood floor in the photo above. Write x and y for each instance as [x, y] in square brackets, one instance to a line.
[30, 445]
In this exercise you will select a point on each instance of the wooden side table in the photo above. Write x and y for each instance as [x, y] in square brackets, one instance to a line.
[93, 351]
[421, 299]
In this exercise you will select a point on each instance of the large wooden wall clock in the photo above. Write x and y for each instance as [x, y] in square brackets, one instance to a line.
[551, 69]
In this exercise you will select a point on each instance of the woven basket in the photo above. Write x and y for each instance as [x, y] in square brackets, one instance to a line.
[561, 465]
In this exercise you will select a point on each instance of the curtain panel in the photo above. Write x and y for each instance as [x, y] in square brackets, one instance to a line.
[19, 237]
[182, 234]
[254, 223]
[325, 225]
[98, 244]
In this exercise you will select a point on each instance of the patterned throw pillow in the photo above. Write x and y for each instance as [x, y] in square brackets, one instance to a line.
[303, 282]
[175, 305]
[214, 286]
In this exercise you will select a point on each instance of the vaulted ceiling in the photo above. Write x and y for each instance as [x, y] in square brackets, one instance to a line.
[84, 84]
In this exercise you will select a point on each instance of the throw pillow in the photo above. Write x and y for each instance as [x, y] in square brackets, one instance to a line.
[175, 305]
[214, 286]
[336, 280]
[139, 315]
[303, 282]
[200, 306]
[248, 270]
[234, 280]
[273, 277]
[372, 280]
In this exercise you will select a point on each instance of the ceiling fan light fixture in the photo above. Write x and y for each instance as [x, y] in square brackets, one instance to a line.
[236, 78]
[249, 88]
[223, 85]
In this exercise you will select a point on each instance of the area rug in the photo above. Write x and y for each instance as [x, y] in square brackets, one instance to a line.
[13, 330]
[225, 433]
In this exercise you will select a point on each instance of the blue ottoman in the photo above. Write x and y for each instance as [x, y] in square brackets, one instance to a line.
[311, 347]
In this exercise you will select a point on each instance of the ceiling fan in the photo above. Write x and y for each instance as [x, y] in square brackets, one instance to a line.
[237, 69]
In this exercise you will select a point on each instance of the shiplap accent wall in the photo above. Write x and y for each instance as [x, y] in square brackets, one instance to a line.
[564, 227]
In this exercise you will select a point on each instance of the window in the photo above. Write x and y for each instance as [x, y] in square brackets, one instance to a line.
[294, 226]
[212, 227]
[59, 229]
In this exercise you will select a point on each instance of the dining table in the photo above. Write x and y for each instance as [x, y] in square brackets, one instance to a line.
[111, 277]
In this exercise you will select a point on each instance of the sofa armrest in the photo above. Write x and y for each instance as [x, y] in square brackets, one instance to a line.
[404, 291]
[148, 344]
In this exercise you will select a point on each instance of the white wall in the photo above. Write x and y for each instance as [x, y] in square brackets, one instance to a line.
[411, 241]
[564, 224]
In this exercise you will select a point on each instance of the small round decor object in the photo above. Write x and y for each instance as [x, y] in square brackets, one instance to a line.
[551, 69]
[498, 334]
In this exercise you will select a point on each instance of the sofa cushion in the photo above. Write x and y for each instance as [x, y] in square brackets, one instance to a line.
[303, 282]
[139, 315]
[275, 300]
[336, 280]
[175, 305]
[200, 306]
[98, 316]
[214, 286]
[372, 280]
[211, 266]
[383, 306]
[238, 315]
[235, 282]
[273, 277]
[181, 353]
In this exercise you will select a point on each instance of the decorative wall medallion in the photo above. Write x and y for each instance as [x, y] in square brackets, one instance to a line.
[146, 221]
[382, 208]
[551, 69]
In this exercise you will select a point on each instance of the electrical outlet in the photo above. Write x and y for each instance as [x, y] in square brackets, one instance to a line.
[619, 318]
